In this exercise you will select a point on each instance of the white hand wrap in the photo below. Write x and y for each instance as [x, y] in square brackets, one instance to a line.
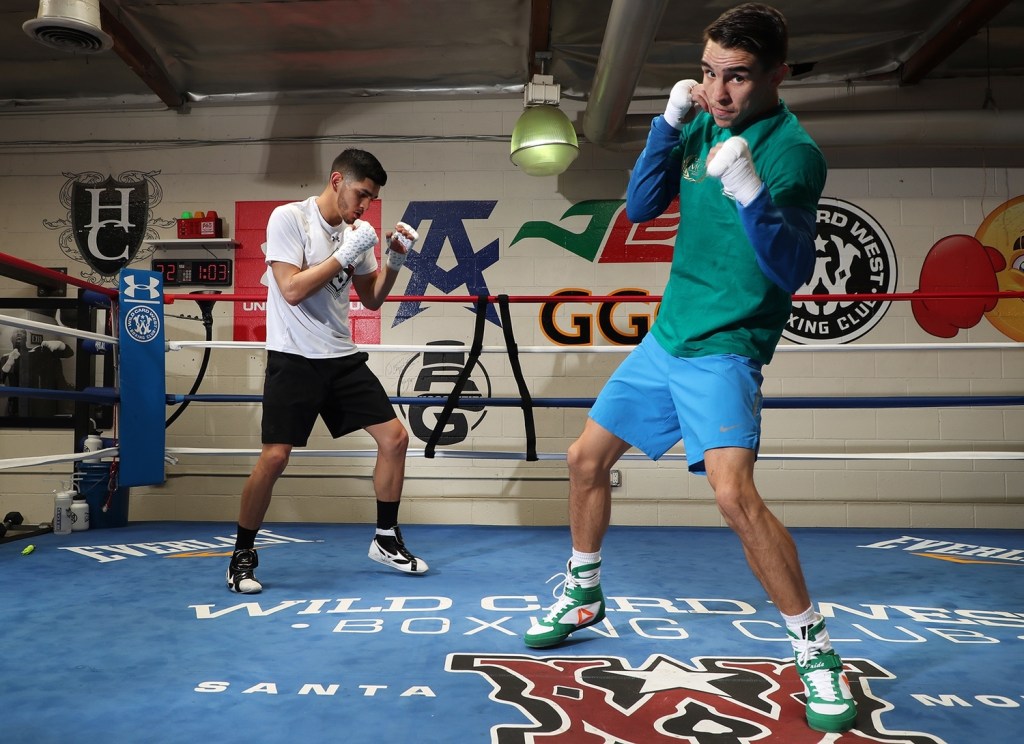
[679, 103]
[734, 166]
[54, 346]
[358, 240]
[396, 259]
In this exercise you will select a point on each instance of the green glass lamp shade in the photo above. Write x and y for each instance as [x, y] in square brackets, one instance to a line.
[543, 141]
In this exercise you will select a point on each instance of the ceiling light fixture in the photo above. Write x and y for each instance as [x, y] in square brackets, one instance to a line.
[544, 142]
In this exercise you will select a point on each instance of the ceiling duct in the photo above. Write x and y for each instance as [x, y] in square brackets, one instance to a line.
[630, 32]
[628, 36]
[69, 26]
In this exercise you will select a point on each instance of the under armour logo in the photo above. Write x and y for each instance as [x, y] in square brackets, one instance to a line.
[150, 287]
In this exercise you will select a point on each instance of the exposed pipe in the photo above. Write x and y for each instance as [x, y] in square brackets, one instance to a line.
[628, 36]
[979, 128]
[630, 32]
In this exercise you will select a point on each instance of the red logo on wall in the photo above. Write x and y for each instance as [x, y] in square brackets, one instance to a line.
[250, 266]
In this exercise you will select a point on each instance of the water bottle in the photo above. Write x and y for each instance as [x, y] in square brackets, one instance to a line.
[79, 513]
[62, 514]
[93, 443]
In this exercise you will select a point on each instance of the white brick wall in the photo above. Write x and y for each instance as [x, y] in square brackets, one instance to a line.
[915, 207]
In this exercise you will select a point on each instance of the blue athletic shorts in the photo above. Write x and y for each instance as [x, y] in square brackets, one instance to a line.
[655, 399]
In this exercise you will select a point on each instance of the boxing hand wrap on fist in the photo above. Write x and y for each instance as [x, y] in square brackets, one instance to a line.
[358, 240]
[54, 346]
[733, 165]
[395, 258]
[679, 103]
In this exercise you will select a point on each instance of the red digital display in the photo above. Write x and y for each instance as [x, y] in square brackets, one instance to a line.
[205, 272]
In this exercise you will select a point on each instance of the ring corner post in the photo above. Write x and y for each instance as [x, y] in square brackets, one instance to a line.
[142, 433]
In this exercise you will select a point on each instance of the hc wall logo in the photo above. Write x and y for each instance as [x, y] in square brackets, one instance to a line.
[141, 414]
[108, 219]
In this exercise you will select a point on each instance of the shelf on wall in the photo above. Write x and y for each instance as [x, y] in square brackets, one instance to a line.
[192, 243]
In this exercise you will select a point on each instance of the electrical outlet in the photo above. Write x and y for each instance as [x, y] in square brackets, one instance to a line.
[616, 478]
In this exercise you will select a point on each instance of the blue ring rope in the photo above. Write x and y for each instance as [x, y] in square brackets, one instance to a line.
[88, 395]
[896, 401]
[110, 395]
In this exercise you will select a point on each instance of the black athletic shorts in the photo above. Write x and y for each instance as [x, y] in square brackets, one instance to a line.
[342, 390]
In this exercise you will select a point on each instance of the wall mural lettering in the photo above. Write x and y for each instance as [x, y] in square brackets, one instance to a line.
[855, 256]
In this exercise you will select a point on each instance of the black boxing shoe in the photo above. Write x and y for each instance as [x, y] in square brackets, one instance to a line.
[389, 549]
[240, 576]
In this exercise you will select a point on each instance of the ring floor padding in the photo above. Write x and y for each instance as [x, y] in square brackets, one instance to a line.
[130, 635]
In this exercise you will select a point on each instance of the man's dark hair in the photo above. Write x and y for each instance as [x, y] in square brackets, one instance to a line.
[754, 28]
[357, 165]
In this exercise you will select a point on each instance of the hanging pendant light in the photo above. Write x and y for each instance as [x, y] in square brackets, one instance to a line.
[544, 142]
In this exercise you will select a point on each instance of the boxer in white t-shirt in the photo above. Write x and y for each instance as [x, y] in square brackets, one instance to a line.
[317, 251]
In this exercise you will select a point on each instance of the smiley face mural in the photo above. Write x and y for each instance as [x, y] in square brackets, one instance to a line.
[992, 260]
[1004, 231]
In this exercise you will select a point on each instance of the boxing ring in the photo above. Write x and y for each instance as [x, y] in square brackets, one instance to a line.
[925, 619]
[138, 446]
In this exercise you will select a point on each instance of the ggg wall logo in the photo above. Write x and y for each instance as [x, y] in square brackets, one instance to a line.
[854, 256]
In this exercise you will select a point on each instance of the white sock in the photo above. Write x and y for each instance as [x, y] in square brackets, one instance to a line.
[804, 619]
[592, 577]
[584, 559]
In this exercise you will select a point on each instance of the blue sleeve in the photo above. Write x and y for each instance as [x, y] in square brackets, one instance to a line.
[654, 180]
[783, 240]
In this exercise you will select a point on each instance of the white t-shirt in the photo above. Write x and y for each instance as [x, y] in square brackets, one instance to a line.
[318, 326]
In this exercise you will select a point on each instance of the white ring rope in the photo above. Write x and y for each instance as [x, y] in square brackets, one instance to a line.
[25, 462]
[924, 455]
[785, 348]
[35, 325]
[500, 455]
[172, 452]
